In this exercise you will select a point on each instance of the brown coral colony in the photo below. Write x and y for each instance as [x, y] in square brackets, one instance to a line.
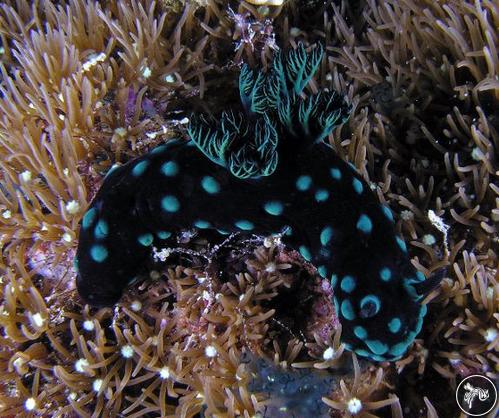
[243, 328]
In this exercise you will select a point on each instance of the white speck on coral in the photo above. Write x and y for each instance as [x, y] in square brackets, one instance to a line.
[201, 279]
[146, 72]
[206, 295]
[241, 297]
[476, 154]
[328, 353]
[120, 131]
[136, 305]
[93, 59]
[67, 237]
[62, 117]
[210, 351]
[38, 320]
[490, 335]
[270, 267]
[97, 384]
[454, 361]
[72, 206]
[80, 365]
[88, 325]
[184, 121]
[164, 372]
[407, 215]
[72, 396]
[161, 255]
[354, 406]
[489, 292]
[429, 239]
[154, 275]
[30, 404]
[26, 176]
[151, 135]
[169, 78]
[6, 214]
[127, 351]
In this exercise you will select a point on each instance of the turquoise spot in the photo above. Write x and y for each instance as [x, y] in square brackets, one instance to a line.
[377, 358]
[322, 271]
[305, 252]
[399, 349]
[352, 165]
[101, 230]
[210, 185]
[394, 325]
[89, 218]
[139, 169]
[159, 149]
[170, 203]
[163, 234]
[387, 212]
[335, 173]
[223, 232]
[347, 310]
[348, 284]
[326, 235]
[363, 353]
[377, 347]
[98, 253]
[76, 264]
[334, 280]
[420, 276]
[303, 183]
[360, 332]
[321, 195]
[401, 244]
[169, 169]
[245, 225]
[145, 239]
[370, 305]
[336, 305]
[410, 288]
[364, 224]
[357, 185]
[273, 208]
[385, 274]
[202, 224]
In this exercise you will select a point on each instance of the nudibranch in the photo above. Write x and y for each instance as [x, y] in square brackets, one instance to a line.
[263, 171]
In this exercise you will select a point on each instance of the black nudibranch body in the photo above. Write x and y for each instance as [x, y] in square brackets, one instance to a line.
[262, 172]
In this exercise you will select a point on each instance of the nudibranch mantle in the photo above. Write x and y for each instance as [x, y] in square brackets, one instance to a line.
[293, 180]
